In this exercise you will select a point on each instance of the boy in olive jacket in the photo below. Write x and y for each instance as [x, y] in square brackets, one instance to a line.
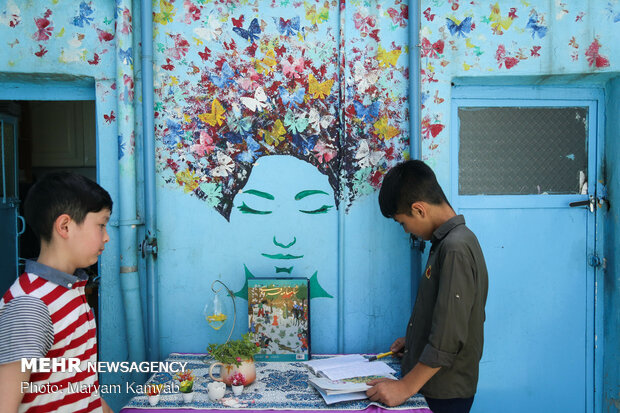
[443, 345]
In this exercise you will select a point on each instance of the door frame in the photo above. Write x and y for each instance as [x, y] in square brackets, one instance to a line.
[471, 95]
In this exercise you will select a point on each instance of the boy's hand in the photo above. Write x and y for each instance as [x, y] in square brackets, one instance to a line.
[397, 346]
[389, 392]
[11, 391]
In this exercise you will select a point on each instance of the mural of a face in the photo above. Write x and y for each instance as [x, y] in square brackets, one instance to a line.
[285, 218]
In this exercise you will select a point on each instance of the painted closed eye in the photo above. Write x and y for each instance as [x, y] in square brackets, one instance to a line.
[248, 210]
[322, 210]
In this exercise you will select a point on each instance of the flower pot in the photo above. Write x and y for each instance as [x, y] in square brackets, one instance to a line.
[216, 390]
[154, 399]
[246, 368]
[237, 390]
[188, 397]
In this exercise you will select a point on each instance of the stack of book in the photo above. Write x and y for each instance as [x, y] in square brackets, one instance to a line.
[343, 378]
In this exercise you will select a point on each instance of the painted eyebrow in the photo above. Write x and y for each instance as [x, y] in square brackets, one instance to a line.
[309, 192]
[259, 193]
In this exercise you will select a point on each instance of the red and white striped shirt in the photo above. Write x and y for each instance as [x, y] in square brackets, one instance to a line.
[74, 336]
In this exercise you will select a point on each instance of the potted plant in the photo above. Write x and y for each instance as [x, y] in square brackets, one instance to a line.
[153, 392]
[237, 381]
[186, 385]
[236, 356]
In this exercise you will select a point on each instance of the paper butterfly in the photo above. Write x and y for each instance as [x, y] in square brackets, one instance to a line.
[318, 89]
[537, 29]
[293, 69]
[366, 113]
[324, 151]
[287, 27]
[216, 116]
[258, 102]
[251, 33]
[387, 58]
[305, 143]
[432, 50]
[239, 124]
[459, 28]
[294, 98]
[205, 55]
[296, 123]
[225, 165]
[238, 22]
[365, 157]
[226, 77]
[318, 122]
[594, 58]
[399, 18]
[204, 146]
[384, 130]
[83, 16]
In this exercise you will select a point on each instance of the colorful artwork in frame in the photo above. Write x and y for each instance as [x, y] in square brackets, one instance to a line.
[279, 318]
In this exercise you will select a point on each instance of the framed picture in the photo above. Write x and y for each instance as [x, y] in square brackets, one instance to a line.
[279, 318]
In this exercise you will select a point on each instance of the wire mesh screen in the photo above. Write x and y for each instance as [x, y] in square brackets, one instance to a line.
[522, 150]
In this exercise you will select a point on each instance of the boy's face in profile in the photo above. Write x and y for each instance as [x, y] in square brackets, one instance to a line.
[88, 239]
[416, 222]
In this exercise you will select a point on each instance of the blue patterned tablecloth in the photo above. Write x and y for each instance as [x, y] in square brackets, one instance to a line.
[278, 386]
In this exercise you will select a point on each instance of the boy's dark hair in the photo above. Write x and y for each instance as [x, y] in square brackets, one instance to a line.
[60, 193]
[406, 183]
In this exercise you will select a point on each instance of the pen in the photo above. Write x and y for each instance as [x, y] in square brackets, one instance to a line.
[378, 356]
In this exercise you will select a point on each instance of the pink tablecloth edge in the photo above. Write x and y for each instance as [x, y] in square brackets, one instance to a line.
[369, 409]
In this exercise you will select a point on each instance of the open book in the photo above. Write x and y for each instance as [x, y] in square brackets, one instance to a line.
[344, 367]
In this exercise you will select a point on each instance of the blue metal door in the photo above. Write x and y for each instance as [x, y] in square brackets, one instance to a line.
[526, 180]
[9, 202]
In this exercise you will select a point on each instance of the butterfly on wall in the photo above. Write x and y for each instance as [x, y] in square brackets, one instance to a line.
[508, 61]
[104, 36]
[293, 69]
[536, 28]
[365, 157]
[384, 130]
[498, 22]
[95, 60]
[258, 102]
[168, 66]
[430, 130]
[211, 30]
[83, 15]
[216, 116]
[324, 151]
[109, 118]
[252, 152]
[276, 135]
[44, 27]
[251, 33]
[204, 146]
[126, 56]
[266, 64]
[593, 56]
[288, 27]
[318, 89]
[225, 165]
[387, 58]
[296, 123]
[427, 14]
[432, 50]
[399, 17]
[459, 28]
[225, 78]
[292, 99]
[366, 113]
[318, 121]
[165, 14]
[42, 51]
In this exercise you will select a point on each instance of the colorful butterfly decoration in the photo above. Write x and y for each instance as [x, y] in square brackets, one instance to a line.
[430, 130]
[258, 102]
[324, 152]
[252, 152]
[165, 14]
[292, 99]
[225, 165]
[593, 56]
[216, 116]
[225, 78]
[205, 54]
[366, 113]
[109, 118]
[44, 27]
[41, 52]
[95, 60]
[432, 50]
[319, 90]
[305, 143]
[288, 27]
[427, 14]
[508, 61]
[104, 36]
[266, 64]
[276, 135]
[252, 32]
[399, 17]
[315, 17]
[168, 66]
[295, 123]
[537, 29]
[384, 130]
[318, 122]
[204, 146]
[365, 157]
[126, 56]
[459, 28]
[387, 58]
[83, 15]
[293, 69]
[498, 22]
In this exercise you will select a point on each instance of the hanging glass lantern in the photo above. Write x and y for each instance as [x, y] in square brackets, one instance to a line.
[217, 311]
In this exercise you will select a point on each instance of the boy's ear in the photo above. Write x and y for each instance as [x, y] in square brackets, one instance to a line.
[418, 209]
[61, 225]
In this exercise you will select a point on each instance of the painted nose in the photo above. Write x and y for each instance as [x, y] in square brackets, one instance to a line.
[286, 244]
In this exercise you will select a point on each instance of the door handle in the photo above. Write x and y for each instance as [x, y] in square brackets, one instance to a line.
[590, 203]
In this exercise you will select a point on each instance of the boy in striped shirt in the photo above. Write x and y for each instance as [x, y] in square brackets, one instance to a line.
[44, 315]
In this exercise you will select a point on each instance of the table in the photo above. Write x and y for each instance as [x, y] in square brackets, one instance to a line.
[279, 386]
